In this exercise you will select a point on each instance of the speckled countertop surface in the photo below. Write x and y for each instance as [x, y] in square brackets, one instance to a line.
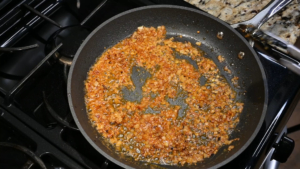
[285, 24]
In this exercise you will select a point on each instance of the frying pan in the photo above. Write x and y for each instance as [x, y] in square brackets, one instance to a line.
[186, 22]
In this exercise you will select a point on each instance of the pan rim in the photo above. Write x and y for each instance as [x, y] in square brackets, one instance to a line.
[254, 134]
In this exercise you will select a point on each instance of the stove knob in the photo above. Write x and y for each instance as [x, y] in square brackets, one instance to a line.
[283, 149]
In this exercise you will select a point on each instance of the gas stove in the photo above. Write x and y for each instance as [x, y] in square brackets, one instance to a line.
[38, 40]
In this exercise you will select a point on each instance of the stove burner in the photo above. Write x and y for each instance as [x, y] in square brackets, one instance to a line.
[71, 37]
[34, 159]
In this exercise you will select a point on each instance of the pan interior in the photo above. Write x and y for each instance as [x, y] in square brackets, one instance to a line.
[185, 22]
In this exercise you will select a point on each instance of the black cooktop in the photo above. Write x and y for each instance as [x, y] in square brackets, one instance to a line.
[35, 121]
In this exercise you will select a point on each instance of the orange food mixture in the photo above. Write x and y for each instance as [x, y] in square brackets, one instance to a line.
[172, 134]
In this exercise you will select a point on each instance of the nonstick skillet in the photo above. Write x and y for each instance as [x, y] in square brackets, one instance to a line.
[186, 22]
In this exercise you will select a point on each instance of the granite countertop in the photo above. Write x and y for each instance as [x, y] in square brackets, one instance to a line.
[285, 24]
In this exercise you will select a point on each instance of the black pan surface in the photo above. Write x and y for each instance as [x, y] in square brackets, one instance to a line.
[186, 22]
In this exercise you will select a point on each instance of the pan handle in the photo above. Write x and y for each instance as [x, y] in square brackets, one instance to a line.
[293, 51]
[270, 11]
[273, 40]
[265, 14]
